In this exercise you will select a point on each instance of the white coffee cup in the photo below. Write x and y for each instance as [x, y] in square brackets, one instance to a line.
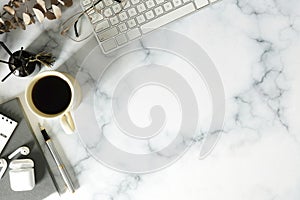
[34, 97]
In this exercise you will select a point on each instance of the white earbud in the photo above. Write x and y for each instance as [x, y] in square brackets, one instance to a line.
[3, 167]
[22, 150]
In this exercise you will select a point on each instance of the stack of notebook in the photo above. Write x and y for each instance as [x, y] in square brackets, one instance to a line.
[23, 135]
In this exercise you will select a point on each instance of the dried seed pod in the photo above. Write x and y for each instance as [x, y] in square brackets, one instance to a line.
[42, 4]
[39, 7]
[20, 22]
[50, 15]
[10, 24]
[55, 2]
[28, 18]
[39, 12]
[61, 2]
[2, 27]
[68, 3]
[17, 3]
[9, 9]
[39, 15]
[56, 11]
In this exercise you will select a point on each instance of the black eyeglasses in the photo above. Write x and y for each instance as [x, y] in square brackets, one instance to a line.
[77, 27]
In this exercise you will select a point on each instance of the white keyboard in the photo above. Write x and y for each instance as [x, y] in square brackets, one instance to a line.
[117, 26]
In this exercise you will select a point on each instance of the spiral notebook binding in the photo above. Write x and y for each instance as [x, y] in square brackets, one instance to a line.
[7, 127]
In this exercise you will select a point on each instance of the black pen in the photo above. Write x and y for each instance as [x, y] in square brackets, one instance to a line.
[57, 159]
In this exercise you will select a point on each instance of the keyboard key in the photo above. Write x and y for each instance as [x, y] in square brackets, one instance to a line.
[177, 3]
[140, 19]
[108, 2]
[114, 20]
[99, 6]
[101, 26]
[149, 14]
[123, 16]
[107, 12]
[109, 45]
[134, 33]
[150, 4]
[95, 17]
[107, 34]
[126, 5]
[201, 3]
[86, 2]
[118, 23]
[122, 27]
[168, 6]
[131, 23]
[141, 7]
[158, 22]
[159, 10]
[135, 1]
[121, 39]
[132, 12]
[116, 8]
[159, 1]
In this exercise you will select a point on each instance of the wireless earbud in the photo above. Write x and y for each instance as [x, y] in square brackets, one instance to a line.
[22, 150]
[3, 167]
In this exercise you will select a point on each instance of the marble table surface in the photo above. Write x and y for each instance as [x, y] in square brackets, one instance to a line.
[255, 47]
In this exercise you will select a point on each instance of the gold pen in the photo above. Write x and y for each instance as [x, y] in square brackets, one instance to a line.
[57, 159]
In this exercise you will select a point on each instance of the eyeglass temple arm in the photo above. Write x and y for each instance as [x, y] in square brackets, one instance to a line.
[75, 24]
[119, 1]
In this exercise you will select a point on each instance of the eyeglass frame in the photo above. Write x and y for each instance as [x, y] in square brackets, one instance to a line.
[74, 24]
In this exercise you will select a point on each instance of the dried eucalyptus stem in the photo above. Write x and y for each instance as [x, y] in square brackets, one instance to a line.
[18, 13]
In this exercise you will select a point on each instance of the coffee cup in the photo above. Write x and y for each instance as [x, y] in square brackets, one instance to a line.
[52, 94]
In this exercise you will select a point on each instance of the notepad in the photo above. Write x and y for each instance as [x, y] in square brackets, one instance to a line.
[24, 136]
[7, 127]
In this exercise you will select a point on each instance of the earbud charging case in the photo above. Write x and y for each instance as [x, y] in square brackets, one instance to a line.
[21, 175]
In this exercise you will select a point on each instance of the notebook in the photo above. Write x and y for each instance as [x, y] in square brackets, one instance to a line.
[23, 135]
[7, 127]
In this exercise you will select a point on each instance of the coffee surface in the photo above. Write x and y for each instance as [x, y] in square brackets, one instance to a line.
[51, 95]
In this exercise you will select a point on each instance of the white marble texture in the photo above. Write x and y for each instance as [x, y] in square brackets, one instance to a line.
[255, 46]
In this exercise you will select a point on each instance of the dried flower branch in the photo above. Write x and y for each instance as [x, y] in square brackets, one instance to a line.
[21, 13]
[44, 58]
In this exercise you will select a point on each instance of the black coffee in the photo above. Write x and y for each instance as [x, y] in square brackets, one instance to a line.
[51, 95]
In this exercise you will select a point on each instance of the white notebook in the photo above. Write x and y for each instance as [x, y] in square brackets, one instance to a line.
[7, 127]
